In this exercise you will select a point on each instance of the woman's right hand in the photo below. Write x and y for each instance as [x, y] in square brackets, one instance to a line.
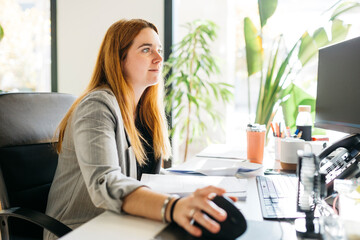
[190, 208]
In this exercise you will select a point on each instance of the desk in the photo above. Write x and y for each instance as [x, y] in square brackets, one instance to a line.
[110, 225]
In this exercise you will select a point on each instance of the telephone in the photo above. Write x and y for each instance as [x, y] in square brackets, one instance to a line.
[344, 164]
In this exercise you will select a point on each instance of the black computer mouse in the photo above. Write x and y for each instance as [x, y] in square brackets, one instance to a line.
[233, 226]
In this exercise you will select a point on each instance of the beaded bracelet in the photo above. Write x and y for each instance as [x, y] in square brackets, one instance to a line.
[172, 209]
[163, 208]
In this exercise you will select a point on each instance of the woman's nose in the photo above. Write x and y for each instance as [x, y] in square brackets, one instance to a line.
[157, 57]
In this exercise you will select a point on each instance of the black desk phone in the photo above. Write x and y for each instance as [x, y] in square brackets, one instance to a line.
[344, 164]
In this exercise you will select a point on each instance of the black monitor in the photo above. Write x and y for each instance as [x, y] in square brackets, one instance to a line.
[338, 88]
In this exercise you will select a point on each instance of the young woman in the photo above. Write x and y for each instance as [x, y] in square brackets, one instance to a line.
[116, 131]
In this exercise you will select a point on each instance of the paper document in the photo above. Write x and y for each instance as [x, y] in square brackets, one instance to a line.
[223, 151]
[215, 167]
[185, 184]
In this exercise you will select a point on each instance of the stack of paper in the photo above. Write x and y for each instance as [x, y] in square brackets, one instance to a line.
[223, 151]
[186, 184]
[215, 167]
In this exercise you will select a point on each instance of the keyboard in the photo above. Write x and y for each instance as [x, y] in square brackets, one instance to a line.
[277, 194]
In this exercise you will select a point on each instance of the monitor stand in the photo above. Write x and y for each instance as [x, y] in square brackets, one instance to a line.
[308, 227]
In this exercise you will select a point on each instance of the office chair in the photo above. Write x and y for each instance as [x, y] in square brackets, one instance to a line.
[28, 161]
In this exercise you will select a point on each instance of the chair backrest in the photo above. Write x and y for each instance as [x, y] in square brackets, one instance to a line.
[28, 159]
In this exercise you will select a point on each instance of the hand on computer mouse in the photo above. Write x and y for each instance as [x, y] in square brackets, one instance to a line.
[233, 226]
[192, 208]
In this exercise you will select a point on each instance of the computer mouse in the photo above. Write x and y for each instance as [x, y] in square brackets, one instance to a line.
[234, 224]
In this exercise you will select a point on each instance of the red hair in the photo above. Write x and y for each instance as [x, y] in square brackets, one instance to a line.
[108, 73]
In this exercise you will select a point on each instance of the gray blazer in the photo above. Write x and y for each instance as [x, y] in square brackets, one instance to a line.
[97, 167]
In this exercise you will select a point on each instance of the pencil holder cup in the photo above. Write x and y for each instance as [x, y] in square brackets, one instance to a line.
[288, 152]
[277, 147]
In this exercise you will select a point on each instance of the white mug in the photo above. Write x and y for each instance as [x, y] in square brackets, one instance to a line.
[288, 152]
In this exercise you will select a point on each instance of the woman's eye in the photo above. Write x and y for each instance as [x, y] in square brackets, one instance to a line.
[146, 50]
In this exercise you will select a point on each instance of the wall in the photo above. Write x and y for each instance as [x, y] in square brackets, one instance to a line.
[81, 26]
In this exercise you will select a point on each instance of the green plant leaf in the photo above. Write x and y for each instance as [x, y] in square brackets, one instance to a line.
[1, 32]
[290, 107]
[270, 73]
[266, 10]
[265, 90]
[308, 48]
[265, 112]
[179, 112]
[192, 99]
[320, 37]
[339, 30]
[279, 80]
[215, 91]
[253, 45]
[344, 7]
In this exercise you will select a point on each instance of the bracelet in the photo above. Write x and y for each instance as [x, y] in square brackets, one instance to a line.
[163, 208]
[172, 209]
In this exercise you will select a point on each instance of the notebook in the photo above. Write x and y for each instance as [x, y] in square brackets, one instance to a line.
[215, 167]
[184, 185]
[223, 151]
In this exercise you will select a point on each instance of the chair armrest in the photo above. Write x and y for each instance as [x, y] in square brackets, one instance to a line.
[41, 219]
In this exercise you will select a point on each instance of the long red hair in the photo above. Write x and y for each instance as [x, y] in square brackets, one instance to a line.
[108, 73]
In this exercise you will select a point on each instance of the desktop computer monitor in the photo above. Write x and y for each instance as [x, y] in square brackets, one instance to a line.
[338, 89]
[338, 107]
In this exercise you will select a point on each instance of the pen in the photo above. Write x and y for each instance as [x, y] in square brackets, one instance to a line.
[297, 131]
[272, 128]
[280, 133]
[299, 135]
[277, 130]
[288, 134]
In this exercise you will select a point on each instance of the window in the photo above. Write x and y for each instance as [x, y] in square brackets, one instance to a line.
[291, 18]
[25, 50]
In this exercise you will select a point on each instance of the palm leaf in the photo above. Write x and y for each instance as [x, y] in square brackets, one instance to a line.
[276, 86]
[266, 10]
[270, 72]
[308, 48]
[342, 8]
[253, 45]
[290, 107]
[320, 37]
[339, 30]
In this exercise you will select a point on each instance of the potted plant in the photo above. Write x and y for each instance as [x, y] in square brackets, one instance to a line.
[191, 88]
[278, 72]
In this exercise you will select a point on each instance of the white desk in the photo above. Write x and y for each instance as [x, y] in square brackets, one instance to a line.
[109, 225]
[114, 226]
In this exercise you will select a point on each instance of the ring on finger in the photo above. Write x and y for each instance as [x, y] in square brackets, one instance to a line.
[192, 212]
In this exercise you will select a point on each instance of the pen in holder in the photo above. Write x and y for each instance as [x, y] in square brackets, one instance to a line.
[311, 188]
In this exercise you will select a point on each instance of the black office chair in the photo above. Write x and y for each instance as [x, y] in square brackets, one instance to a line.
[28, 161]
